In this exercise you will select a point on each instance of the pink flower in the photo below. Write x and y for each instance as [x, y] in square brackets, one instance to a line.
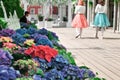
[10, 45]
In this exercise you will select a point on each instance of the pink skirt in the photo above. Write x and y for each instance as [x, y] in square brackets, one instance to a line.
[80, 21]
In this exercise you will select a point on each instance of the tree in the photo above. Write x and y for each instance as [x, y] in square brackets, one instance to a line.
[10, 6]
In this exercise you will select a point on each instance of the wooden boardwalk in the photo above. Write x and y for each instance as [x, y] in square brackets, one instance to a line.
[102, 56]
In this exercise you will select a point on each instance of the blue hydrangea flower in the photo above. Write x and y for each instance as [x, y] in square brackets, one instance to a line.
[43, 31]
[54, 74]
[38, 77]
[18, 38]
[5, 57]
[31, 30]
[56, 63]
[8, 73]
[58, 45]
[59, 62]
[44, 65]
[76, 73]
[21, 31]
[41, 40]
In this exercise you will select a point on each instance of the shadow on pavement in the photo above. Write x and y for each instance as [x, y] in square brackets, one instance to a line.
[109, 38]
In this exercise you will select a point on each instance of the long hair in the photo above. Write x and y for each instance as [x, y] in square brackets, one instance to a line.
[102, 2]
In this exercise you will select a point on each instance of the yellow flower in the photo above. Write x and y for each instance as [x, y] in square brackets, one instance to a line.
[5, 39]
[29, 42]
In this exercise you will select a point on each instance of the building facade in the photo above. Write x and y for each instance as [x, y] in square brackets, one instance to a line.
[66, 10]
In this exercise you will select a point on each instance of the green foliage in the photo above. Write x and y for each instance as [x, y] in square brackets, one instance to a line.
[49, 19]
[39, 72]
[10, 6]
[26, 35]
[40, 17]
[51, 37]
[24, 79]
[18, 56]
[65, 19]
[97, 78]
[32, 25]
[68, 56]
[85, 67]
[3, 23]
[116, 1]
[90, 3]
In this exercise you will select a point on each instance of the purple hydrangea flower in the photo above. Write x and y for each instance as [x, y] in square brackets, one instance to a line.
[76, 73]
[7, 32]
[54, 74]
[5, 57]
[38, 77]
[8, 73]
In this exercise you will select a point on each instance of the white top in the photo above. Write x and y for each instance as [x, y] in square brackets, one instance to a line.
[79, 9]
[100, 9]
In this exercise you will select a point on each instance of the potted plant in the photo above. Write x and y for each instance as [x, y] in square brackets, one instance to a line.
[49, 19]
[48, 22]
[40, 17]
[40, 21]
[65, 19]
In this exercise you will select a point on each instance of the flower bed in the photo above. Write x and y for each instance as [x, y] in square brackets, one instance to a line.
[32, 54]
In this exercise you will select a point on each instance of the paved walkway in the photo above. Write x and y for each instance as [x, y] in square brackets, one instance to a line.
[102, 56]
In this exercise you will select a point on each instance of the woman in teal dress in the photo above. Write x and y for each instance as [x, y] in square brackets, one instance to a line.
[101, 20]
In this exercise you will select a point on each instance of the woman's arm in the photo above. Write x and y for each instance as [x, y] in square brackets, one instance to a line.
[97, 8]
[76, 10]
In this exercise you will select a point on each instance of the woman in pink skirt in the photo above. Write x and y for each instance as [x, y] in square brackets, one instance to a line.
[79, 22]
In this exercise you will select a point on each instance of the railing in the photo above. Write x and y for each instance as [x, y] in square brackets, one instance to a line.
[13, 23]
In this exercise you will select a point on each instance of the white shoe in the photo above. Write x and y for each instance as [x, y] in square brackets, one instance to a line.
[77, 36]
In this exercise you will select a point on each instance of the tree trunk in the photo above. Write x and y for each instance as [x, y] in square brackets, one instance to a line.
[88, 12]
[115, 16]
[118, 17]
[93, 10]
[69, 13]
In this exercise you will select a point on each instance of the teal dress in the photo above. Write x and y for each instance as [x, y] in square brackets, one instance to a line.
[101, 19]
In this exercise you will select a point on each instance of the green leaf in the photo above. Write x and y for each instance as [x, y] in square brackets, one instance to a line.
[85, 67]
[26, 35]
[97, 78]
[68, 56]
[39, 72]
[3, 23]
